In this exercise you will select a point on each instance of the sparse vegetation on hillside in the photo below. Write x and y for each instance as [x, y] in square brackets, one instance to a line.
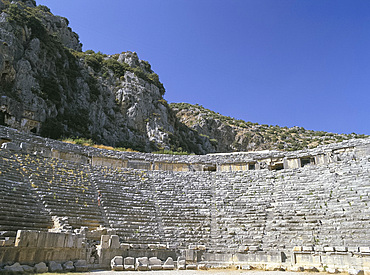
[91, 96]
[91, 143]
[170, 152]
[102, 63]
[262, 136]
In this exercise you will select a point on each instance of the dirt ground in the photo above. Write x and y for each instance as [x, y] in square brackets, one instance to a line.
[197, 272]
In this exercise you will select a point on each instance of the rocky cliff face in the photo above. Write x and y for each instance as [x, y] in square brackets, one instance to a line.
[52, 88]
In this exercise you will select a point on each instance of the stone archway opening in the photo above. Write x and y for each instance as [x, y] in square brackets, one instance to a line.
[307, 161]
[210, 167]
[277, 166]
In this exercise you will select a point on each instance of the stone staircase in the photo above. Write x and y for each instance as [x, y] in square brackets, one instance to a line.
[20, 207]
[127, 201]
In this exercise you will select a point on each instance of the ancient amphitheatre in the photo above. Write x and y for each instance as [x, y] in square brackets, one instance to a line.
[72, 208]
[303, 210]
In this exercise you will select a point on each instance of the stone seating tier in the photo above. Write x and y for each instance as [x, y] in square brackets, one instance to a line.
[65, 189]
[19, 204]
[311, 205]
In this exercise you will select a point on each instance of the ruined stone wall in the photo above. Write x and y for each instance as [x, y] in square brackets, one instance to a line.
[242, 161]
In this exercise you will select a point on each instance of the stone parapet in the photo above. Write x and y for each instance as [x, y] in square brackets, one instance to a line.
[240, 161]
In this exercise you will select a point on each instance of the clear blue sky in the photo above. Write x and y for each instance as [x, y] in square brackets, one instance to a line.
[282, 62]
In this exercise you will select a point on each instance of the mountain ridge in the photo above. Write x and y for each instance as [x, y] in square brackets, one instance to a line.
[51, 87]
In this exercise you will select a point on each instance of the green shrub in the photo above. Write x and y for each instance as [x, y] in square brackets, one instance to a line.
[46, 9]
[95, 61]
[170, 152]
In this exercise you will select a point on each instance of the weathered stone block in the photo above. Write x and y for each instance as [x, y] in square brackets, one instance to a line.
[28, 269]
[142, 264]
[305, 259]
[41, 240]
[329, 249]
[365, 249]
[135, 246]
[26, 255]
[79, 242]
[202, 267]
[41, 268]
[153, 246]
[190, 255]
[117, 263]
[55, 267]
[341, 248]
[14, 268]
[68, 266]
[114, 242]
[307, 248]
[7, 242]
[129, 263]
[181, 263]
[68, 241]
[297, 248]
[60, 240]
[169, 264]
[104, 241]
[81, 266]
[51, 239]
[191, 267]
[155, 263]
[125, 246]
[254, 248]
[26, 238]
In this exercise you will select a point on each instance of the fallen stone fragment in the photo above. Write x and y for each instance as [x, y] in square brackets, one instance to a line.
[68, 266]
[142, 264]
[169, 264]
[55, 267]
[41, 268]
[13, 268]
[117, 263]
[81, 266]
[129, 264]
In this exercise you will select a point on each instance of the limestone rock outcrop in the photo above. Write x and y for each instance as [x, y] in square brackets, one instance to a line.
[227, 134]
[52, 88]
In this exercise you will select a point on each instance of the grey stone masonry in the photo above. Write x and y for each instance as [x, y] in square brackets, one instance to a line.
[324, 154]
[65, 189]
[127, 199]
[20, 207]
[323, 201]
